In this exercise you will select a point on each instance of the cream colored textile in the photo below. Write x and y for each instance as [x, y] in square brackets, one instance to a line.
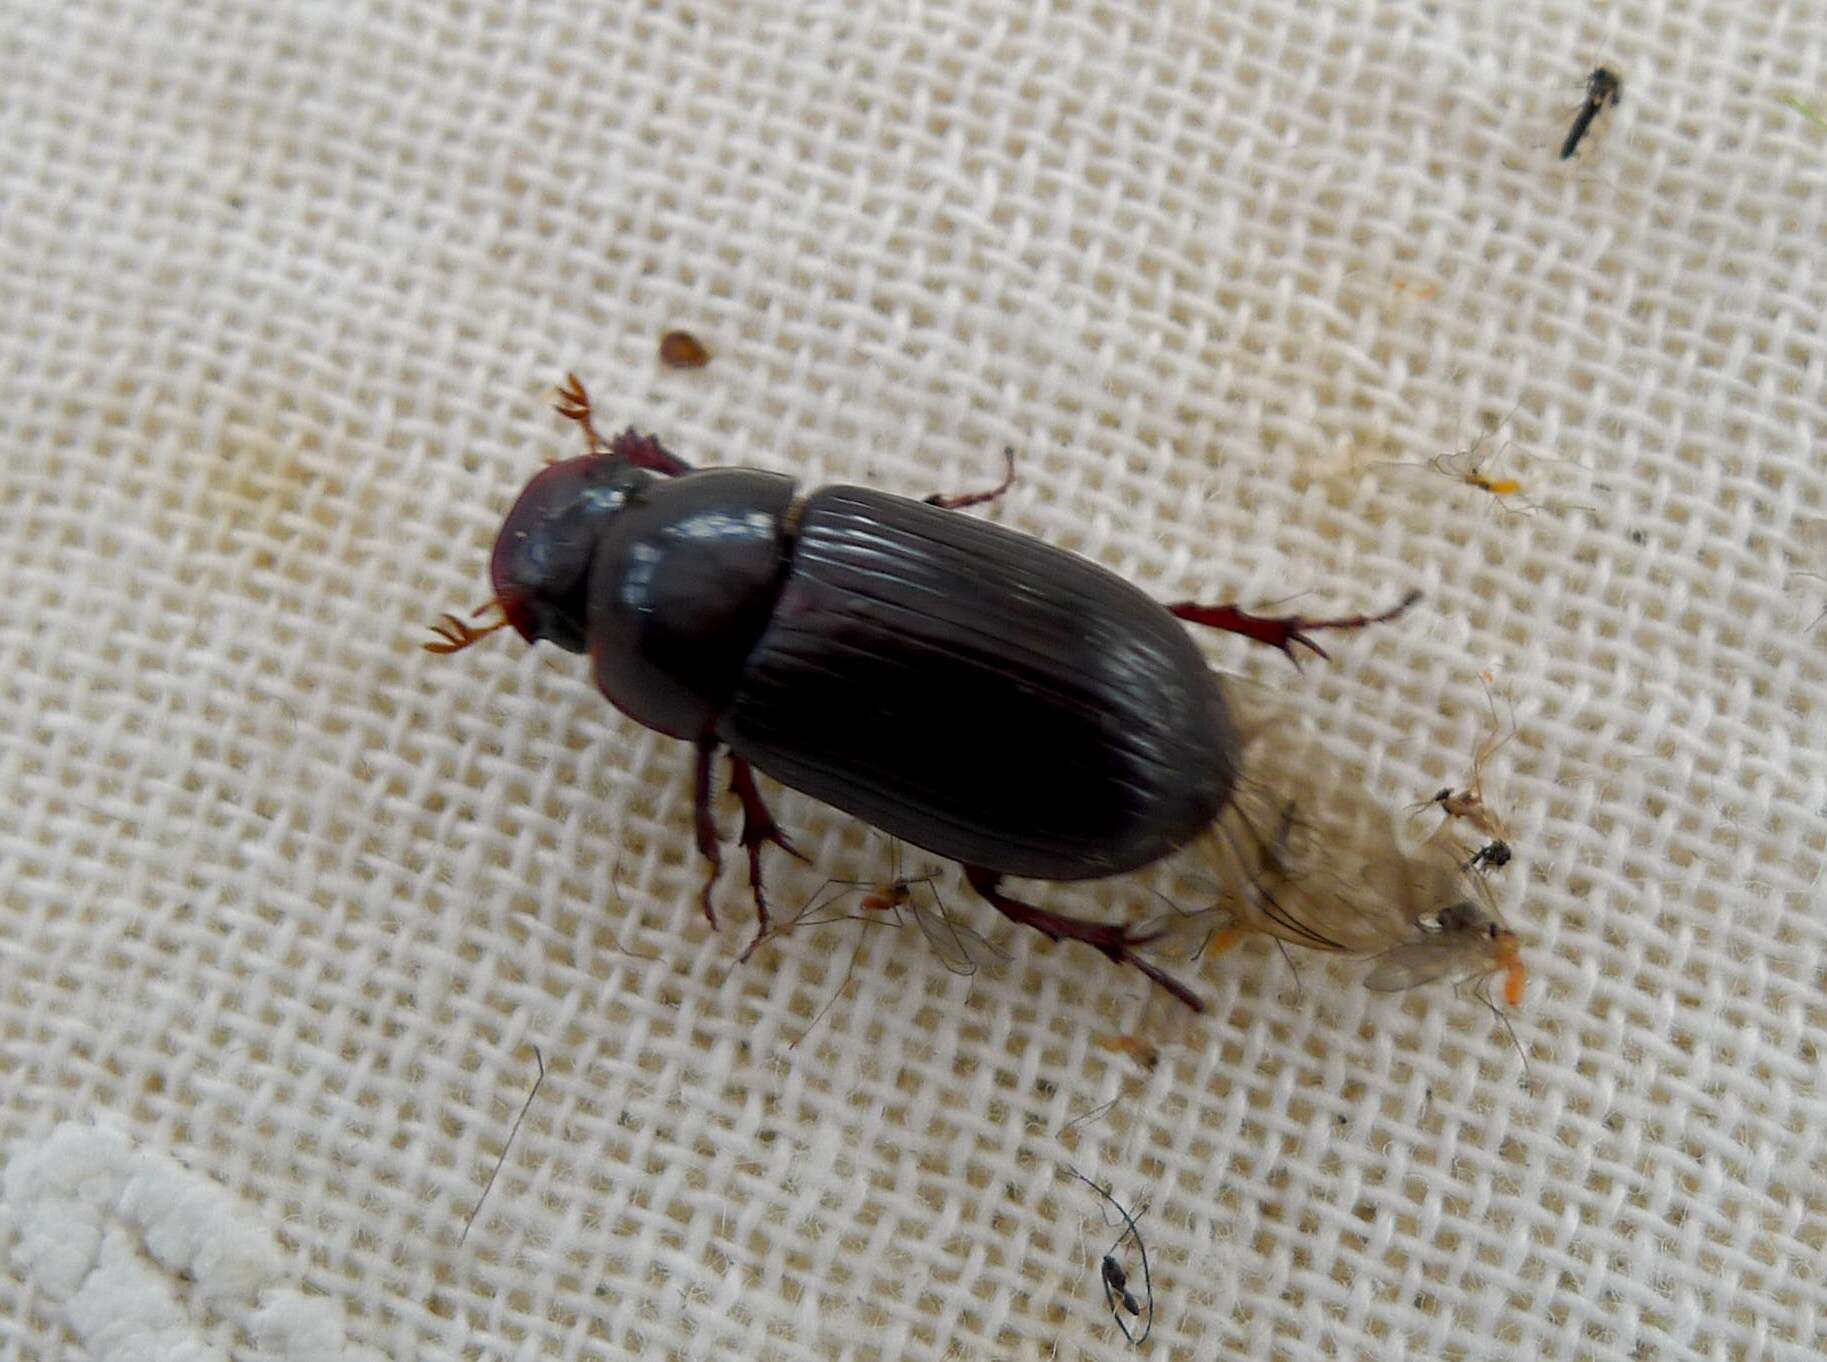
[287, 903]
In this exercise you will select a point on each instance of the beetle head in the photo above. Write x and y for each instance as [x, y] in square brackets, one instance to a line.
[541, 564]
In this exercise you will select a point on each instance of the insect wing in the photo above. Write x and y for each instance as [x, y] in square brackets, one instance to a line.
[1456, 954]
[1182, 936]
[962, 950]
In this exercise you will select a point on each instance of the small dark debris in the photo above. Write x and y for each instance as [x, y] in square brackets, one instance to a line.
[682, 350]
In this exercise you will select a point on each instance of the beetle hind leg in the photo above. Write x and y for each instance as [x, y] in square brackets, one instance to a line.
[1113, 940]
[1283, 632]
[958, 501]
[758, 829]
[706, 826]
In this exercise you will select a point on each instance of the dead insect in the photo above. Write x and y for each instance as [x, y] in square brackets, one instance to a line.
[1490, 856]
[1467, 466]
[1469, 804]
[961, 950]
[1602, 88]
[682, 350]
[1420, 916]
[1465, 941]
[1116, 1287]
[1117, 1295]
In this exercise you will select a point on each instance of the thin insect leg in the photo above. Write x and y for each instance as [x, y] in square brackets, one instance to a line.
[758, 828]
[615, 888]
[1283, 633]
[818, 902]
[1299, 992]
[524, 1107]
[1113, 940]
[849, 972]
[1483, 996]
[1129, 1232]
[959, 501]
[706, 824]
[1091, 1115]
[1259, 895]
[454, 634]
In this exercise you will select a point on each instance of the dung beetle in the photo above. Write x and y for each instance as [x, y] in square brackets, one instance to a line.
[967, 689]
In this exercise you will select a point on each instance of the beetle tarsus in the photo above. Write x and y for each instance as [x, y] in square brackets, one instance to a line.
[1284, 633]
[574, 405]
[706, 825]
[1112, 939]
[958, 501]
[455, 634]
[758, 829]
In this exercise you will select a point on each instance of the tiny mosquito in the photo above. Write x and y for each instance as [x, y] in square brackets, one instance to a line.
[1602, 87]
[882, 903]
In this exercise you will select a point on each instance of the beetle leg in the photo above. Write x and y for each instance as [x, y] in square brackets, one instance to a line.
[646, 451]
[1283, 632]
[643, 451]
[707, 825]
[574, 405]
[758, 827]
[1109, 937]
[454, 634]
[959, 501]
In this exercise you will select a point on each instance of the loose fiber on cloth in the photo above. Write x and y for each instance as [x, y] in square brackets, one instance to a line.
[292, 912]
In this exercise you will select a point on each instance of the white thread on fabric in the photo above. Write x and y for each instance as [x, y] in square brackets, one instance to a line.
[285, 902]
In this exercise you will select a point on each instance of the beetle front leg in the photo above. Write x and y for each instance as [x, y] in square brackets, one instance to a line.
[958, 501]
[1110, 938]
[706, 824]
[643, 451]
[758, 827]
[1283, 632]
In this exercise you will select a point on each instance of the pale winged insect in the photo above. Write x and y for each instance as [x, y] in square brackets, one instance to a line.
[882, 903]
[1468, 803]
[1468, 466]
[960, 949]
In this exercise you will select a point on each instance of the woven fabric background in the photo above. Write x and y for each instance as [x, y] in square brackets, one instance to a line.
[286, 904]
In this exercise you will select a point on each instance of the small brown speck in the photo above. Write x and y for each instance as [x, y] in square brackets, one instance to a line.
[682, 350]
